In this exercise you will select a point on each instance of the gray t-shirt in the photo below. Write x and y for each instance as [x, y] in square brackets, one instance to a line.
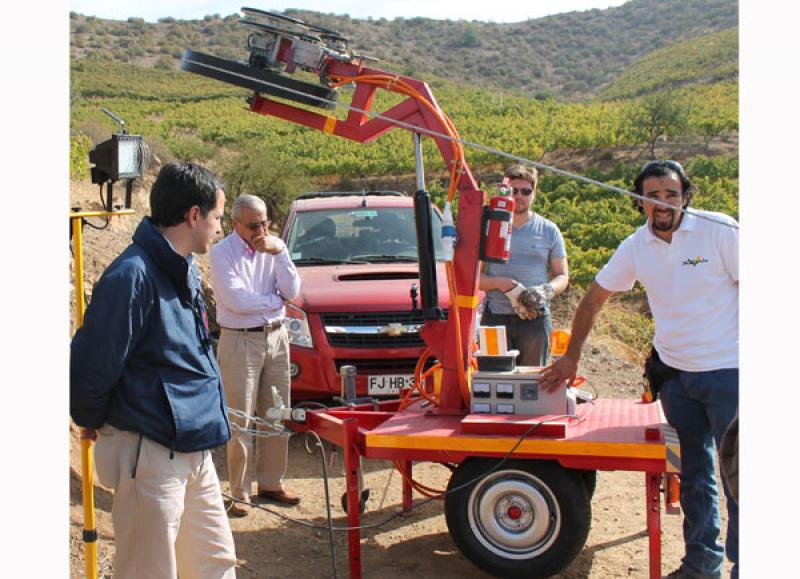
[533, 245]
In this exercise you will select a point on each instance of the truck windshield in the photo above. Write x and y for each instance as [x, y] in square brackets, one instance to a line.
[363, 234]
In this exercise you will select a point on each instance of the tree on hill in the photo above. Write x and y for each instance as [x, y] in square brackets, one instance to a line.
[258, 170]
[658, 115]
[470, 38]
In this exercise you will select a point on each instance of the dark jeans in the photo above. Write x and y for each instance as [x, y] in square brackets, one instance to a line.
[530, 337]
[700, 406]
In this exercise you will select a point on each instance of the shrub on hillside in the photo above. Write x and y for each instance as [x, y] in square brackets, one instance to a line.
[165, 63]
[79, 147]
[258, 170]
[192, 149]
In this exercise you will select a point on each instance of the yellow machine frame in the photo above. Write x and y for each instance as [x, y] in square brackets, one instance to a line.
[87, 454]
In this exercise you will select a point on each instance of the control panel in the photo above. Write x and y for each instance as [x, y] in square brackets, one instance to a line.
[517, 392]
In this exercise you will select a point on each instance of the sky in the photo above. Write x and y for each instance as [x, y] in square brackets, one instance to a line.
[496, 10]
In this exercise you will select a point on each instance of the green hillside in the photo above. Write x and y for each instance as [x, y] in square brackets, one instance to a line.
[178, 112]
[188, 117]
[686, 65]
[571, 56]
[703, 60]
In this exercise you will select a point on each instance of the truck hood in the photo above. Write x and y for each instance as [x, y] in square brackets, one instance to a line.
[363, 288]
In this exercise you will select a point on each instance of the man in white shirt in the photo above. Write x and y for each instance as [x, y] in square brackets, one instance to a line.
[690, 269]
[252, 274]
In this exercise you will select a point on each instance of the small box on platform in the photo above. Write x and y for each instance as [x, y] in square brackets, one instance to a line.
[497, 363]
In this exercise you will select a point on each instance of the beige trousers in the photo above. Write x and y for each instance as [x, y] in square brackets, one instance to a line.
[169, 520]
[251, 363]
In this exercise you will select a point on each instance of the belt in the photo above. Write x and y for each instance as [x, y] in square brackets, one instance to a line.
[273, 325]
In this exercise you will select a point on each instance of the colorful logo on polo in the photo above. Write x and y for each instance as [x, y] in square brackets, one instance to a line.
[696, 261]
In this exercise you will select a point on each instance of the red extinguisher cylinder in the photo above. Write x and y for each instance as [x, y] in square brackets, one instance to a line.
[496, 229]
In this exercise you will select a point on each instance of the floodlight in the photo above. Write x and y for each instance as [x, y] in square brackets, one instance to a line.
[123, 156]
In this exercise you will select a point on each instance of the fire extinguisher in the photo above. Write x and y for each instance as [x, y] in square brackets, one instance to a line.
[496, 228]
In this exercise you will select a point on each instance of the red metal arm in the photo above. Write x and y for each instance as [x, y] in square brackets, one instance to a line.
[359, 127]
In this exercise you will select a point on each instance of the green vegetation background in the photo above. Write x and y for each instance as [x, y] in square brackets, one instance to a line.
[185, 116]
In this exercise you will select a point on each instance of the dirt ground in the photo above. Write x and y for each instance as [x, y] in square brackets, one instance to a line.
[417, 545]
[407, 547]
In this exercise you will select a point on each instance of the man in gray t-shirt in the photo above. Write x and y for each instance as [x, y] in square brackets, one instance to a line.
[536, 243]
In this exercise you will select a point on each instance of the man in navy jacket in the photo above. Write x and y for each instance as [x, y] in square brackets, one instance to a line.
[145, 385]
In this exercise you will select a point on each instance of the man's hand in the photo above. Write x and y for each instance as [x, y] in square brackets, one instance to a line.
[88, 434]
[537, 298]
[515, 296]
[544, 293]
[271, 244]
[562, 370]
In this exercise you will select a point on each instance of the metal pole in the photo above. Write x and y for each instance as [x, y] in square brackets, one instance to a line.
[418, 159]
[77, 252]
[408, 493]
[652, 482]
[352, 464]
[87, 455]
[348, 374]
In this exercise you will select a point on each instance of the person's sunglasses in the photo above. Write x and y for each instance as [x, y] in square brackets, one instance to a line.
[258, 225]
[522, 191]
[674, 165]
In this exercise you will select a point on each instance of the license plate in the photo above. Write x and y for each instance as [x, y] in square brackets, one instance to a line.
[388, 384]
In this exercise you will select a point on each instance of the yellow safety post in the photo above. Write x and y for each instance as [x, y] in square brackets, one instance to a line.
[87, 455]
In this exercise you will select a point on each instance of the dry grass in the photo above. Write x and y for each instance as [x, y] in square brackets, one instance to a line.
[624, 327]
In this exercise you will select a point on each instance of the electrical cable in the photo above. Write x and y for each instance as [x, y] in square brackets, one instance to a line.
[311, 403]
[85, 220]
[470, 482]
[461, 370]
[386, 488]
[394, 84]
[327, 502]
[97, 227]
[423, 502]
[472, 144]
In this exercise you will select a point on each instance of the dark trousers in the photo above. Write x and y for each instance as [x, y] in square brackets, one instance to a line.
[700, 406]
[530, 337]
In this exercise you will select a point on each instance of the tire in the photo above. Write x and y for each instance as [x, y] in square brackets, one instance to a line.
[589, 478]
[362, 503]
[530, 518]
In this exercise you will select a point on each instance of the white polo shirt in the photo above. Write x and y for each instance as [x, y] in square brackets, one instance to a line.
[692, 287]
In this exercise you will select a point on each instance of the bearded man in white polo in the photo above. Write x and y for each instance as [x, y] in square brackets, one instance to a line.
[689, 266]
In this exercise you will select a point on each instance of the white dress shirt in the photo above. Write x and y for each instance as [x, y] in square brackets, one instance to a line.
[250, 286]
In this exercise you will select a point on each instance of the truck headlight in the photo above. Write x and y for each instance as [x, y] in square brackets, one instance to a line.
[296, 323]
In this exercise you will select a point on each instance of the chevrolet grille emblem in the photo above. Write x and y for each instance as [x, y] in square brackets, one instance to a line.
[393, 329]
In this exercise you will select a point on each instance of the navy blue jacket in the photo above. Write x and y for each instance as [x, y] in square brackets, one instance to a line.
[142, 361]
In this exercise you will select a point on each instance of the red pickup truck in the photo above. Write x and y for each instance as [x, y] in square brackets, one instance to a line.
[357, 258]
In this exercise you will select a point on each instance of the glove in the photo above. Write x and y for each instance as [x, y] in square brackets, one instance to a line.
[516, 296]
[537, 297]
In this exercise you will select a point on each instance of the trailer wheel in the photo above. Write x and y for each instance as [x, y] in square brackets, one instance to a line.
[362, 503]
[589, 481]
[529, 518]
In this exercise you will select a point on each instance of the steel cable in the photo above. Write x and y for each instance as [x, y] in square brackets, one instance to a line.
[474, 145]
